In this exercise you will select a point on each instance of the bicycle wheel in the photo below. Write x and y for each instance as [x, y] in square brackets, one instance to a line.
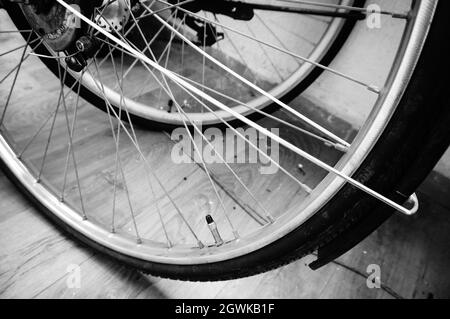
[187, 210]
[276, 70]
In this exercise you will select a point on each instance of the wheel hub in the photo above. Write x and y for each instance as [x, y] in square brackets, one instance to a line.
[115, 16]
[60, 28]
[56, 25]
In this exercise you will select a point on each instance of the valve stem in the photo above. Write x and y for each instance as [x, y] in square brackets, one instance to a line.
[213, 228]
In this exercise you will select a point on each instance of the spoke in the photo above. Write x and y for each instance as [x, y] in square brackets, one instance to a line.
[116, 169]
[203, 57]
[15, 31]
[13, 85]
[182, 45]
[350, 8]
[314, 12]
[63, 57]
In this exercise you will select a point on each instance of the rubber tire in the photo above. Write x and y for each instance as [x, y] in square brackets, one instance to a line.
[412, 143]
[19, 20]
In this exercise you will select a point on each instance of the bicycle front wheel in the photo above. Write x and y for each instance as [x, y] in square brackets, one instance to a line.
[180, 207]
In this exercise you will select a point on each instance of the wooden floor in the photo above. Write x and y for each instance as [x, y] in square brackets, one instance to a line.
[413, 253]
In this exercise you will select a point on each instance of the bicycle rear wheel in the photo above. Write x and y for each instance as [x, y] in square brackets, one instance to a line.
[276, 69]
